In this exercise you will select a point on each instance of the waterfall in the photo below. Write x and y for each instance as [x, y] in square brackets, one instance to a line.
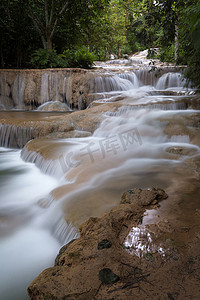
[47, 166]
[170, 80]
[5, 92]
[18, 91]
[147, 137]
[132, 77]
[12, 136]
[51, 86]
[122, 82]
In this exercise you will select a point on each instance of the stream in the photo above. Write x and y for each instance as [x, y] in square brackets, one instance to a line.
[150, 139]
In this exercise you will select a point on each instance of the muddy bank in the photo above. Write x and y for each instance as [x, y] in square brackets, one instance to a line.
[99, 265]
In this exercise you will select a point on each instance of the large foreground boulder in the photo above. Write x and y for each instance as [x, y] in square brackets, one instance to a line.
[98, 258]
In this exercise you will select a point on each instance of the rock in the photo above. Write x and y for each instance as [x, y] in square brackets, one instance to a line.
[182, 150]
[104, 244]
[98, 256]
[30, 88]
[68, 134]
[143, 197]
[107, 276]
[54, 106]
[62, 250]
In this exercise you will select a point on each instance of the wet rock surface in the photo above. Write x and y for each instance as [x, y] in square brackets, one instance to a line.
[82, 271]
[28, 89]
[77, 124]
[54, 106]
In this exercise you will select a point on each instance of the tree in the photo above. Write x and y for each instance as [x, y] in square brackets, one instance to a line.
[46, 15]
[17, 35]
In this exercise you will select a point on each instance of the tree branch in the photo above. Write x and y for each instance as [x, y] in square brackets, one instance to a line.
[46, 12]
[38, 25]
[63, 9]
[51, 13]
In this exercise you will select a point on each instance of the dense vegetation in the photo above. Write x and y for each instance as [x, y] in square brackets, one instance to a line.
[64, 33]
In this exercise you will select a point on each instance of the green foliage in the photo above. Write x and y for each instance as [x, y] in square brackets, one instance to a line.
[190, 39]
[167, 53]
[80, 58]
[104, 27]
[17, 35]
[193, 70]
[42, 58]
[126, 50]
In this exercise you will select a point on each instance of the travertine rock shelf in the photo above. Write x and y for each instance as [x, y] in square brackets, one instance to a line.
[28, 89]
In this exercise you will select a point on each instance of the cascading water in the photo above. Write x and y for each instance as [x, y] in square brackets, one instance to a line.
[27, 240]
[148, 140]
[170, 80]
[18, 91]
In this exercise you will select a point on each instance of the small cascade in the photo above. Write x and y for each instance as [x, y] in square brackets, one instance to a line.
[12, 136]
[132, 77]
[51, 84]
[118, 61]
[170, 80]
[146, 76]
[47, 166]
[113, 83]
[5, 93]
[18, 91]
[63, 231]
[67, 91]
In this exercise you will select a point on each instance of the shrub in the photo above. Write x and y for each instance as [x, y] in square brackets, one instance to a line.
[80, 58]
[167, 54]
[42, 58]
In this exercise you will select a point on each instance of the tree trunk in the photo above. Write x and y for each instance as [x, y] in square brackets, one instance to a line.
[1, 54]
[119, 51]
[176, 45]
[49, 44]
[47, 27]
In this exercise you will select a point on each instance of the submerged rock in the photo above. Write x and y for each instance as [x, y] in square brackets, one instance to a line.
[54, 106]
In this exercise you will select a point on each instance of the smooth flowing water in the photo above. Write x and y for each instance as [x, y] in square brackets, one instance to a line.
[29, 235]
[150, 140]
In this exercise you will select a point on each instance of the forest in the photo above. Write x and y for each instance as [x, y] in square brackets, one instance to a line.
[60, 33]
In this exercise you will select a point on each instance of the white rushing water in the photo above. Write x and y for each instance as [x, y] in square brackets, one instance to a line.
[129, 149]
[28, 238]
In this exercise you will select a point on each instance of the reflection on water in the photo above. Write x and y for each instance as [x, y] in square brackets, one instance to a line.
[140, 242]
